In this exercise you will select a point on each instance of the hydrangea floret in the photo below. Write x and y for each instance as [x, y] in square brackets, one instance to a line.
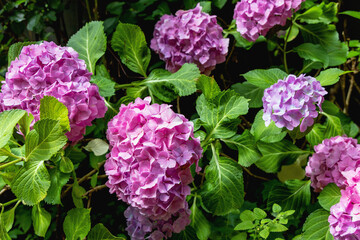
[256, 17]
[148, 167]
[336, 160]
[291, 102]
[50, 70]
[344, 216]
[190, 36]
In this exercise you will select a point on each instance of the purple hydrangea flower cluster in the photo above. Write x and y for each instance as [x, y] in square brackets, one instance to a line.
[335, 161]
[190, 37]
[50, 70]
[148, 167]
[138, 225]
[344, 216]
[257, 17]
[292, 100]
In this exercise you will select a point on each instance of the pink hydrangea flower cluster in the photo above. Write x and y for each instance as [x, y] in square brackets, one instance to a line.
[257, 17]
[344, 216]
[292, 100]
[148, 167]
[190, 37]
[335, 161]
[50, 70]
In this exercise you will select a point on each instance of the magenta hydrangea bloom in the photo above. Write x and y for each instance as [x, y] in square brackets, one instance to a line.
[344, 216]
[142, 227]
[50, 70]
[190, 37]
[291, 101]
[335, 161]
[151, 151]
[257, 17]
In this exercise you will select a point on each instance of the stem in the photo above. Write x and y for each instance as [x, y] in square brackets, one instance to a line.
[9, 202]
[109, 106]
[96, 14]
[11, 163]
[285, 44]
[88, 9]
[97, 188]
[121, 86]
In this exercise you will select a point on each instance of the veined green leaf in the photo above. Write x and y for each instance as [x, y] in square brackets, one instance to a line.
[77, 223]
[329, 76]
[31, 183]
[166, 85]
[41, 220]
[246, 147]
[276, 154]
[3, 233]
[58, 180]
[250, 91]
[329, 196]
[199, 222]
[316, 135]
[51, 108]
[333, 126]
[354, 14]
[100, 232]
[293, 195]
[130, 43]
[208, 86]
[46, 139]
[267, 134]
[106, 86]
[264, 78]
[317, 227]
[313, 52]
[97, 146]
[90, 43]
[223, 189]
[219, 116]
[8, 120]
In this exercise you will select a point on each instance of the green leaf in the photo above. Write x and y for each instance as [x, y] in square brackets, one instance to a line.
[246, 147]
[276, 208]
[51, 108]
[329, 76]
[219, 116]
[277, 227]
[97, 146]
[100, 232]
[313, 52]
[25, 123]
[8, 120]
[199, 222]
[328, 38]
[15, 50]
[259, 213]
[268, 134]
[250, 91]
[8, 218]
[3, 233]
[247, 215]
[219, 3]
[130, 43]
[45, 140]
[31, 183]
[106, 86]
[58, 180]
[187, 234]
[41, 220]
[354, 14]
[208, 86]
[292, 195]
[90, 43]
[329, 196]
[182, 82]
[333, 126]
[264, 78]
[66, 165]
[265, 232]
[245, 225]
[223, 190]
[77, 223]
[316, 135]
[311, 15]
[316, 226]
[77, 195]
[276, 154]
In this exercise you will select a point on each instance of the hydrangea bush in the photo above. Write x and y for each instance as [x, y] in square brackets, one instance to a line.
[170, 120]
